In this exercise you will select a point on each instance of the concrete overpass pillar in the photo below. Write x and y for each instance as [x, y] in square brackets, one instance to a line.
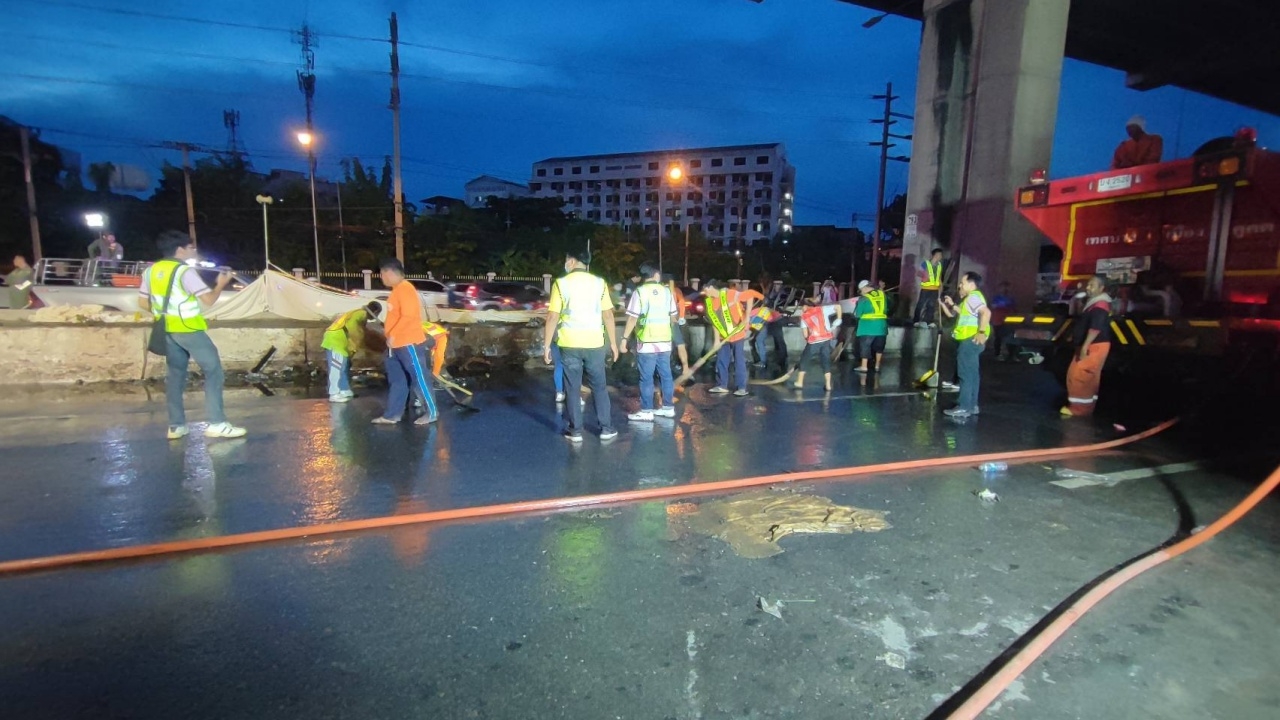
[986, 106]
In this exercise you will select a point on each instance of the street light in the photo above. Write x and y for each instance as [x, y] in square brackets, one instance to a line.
[674, 173]
[95, 220]
[264, 201]
[307, 140]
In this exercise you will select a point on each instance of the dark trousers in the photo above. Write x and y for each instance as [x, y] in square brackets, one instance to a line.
[771, 331]
[927, 306]
[407, 373]
[735, 353]
[590, 362]
[967, 367]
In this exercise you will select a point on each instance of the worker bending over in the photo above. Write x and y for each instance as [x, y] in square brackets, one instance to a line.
[342, 340]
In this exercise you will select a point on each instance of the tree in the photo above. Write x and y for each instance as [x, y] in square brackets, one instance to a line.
[100, 175]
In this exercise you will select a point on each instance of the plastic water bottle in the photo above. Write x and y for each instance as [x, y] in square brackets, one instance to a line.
[993, 468]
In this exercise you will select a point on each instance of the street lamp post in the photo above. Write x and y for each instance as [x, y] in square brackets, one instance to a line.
[264, 201]
[674, 173]
[307, 140]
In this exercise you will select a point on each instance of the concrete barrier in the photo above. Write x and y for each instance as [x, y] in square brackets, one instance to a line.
[46, 353]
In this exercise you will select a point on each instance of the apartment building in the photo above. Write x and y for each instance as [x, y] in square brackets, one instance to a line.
[478, 190]
[738, 194]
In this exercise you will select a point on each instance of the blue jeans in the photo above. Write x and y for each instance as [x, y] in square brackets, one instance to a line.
[649, 362]
[557, 371]
[407, 371]
[181, 350]
[735, 352]
[967, 367]
[588, 361]
[339, 372]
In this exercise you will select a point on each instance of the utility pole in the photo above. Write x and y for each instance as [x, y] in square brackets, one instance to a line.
[186, 182]
[342, 235]
[885, 123]
[25, 134]
[307, 83]
[396, 181]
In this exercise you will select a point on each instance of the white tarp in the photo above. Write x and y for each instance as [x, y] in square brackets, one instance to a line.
[275, 294]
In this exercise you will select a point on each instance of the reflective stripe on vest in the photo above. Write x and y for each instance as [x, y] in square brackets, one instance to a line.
[967, 324]
[934, 281]
[876, 298]
[816, 321]
[721, 317]
[340, 323]
[434, 329]
[580, 293]
[655, 313]
[183, 314]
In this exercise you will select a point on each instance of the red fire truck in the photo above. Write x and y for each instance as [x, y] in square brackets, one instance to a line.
[1204, 229]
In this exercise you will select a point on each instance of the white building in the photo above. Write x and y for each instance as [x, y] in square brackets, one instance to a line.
[479, 190]
[738, 192]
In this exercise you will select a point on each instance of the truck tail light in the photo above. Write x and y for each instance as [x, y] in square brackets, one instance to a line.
[1033, 196]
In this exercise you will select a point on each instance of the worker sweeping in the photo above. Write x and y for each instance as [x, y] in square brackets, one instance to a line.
[437, 343]
[1092, 341]
[729, 312]
[818, 332]
[873, 327]
[342, 340]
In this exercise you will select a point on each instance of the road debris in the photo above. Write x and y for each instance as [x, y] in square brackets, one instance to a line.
[774, 608]
[753, 523]
[893, 660]
[985, 495]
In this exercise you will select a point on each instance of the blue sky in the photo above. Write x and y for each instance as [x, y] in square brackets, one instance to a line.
[491, 87]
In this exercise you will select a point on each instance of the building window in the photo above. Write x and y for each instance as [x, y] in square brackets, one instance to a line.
[595, 169]
[673, 197]
[651, 197]
[766, 210]
[717, 162]
[535, 187]
[764, 227]
[612, 167]
[717, 179]
[696, 180]
[559, 171]
[739, 161]
[577, 170]
[653, 166]
[733, 210]
[542, 172]
[615, 184]
[633, 182]
[762, 159]
[577, 200]
[611, 199]
[695, 163]
[575, 185]
[593, 214]
[557, 186]
[593, 199]
[764, 177]
[733, 227]
[741, 178]
[650, 181]
[736, 194]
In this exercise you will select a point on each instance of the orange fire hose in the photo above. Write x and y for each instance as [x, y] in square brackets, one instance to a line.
[1018, 664]
[179, 547]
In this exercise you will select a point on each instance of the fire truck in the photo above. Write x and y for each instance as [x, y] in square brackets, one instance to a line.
[1192, 247]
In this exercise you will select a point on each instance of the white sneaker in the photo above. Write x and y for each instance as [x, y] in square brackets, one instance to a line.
[339, 398]
[347, 394]
[641, 416]
[949, 385]
[177, 432]
[608, 434]
[224, 430]
[668, 411]
[717, 390]
[559, 397]
[741, 393]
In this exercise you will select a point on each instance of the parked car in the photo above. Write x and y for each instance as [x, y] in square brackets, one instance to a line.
[496, 296]
[433, 292]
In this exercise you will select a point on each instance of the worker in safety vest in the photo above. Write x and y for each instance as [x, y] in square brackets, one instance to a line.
[342, 340]
[651, 312]
[677, 329]
[973, 326]
[729, 312]
[580, 319]
[818, 330]
[930, 276]
[767, 323]
[437, 343]
[873, 326]
[1092, 340]
[172, 289]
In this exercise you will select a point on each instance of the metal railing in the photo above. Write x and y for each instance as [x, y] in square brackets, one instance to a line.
[89, 272]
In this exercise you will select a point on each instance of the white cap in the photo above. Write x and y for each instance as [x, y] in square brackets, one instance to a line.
[863, 283]
[1138, 120]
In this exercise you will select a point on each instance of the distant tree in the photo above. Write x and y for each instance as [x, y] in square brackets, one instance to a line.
[100, 175]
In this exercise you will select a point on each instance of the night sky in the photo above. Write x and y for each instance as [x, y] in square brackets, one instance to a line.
[492, 86]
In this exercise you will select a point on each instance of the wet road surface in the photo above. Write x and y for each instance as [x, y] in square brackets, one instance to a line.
[614, 612]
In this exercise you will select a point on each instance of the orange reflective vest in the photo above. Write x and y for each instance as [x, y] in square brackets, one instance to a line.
[816, 323]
